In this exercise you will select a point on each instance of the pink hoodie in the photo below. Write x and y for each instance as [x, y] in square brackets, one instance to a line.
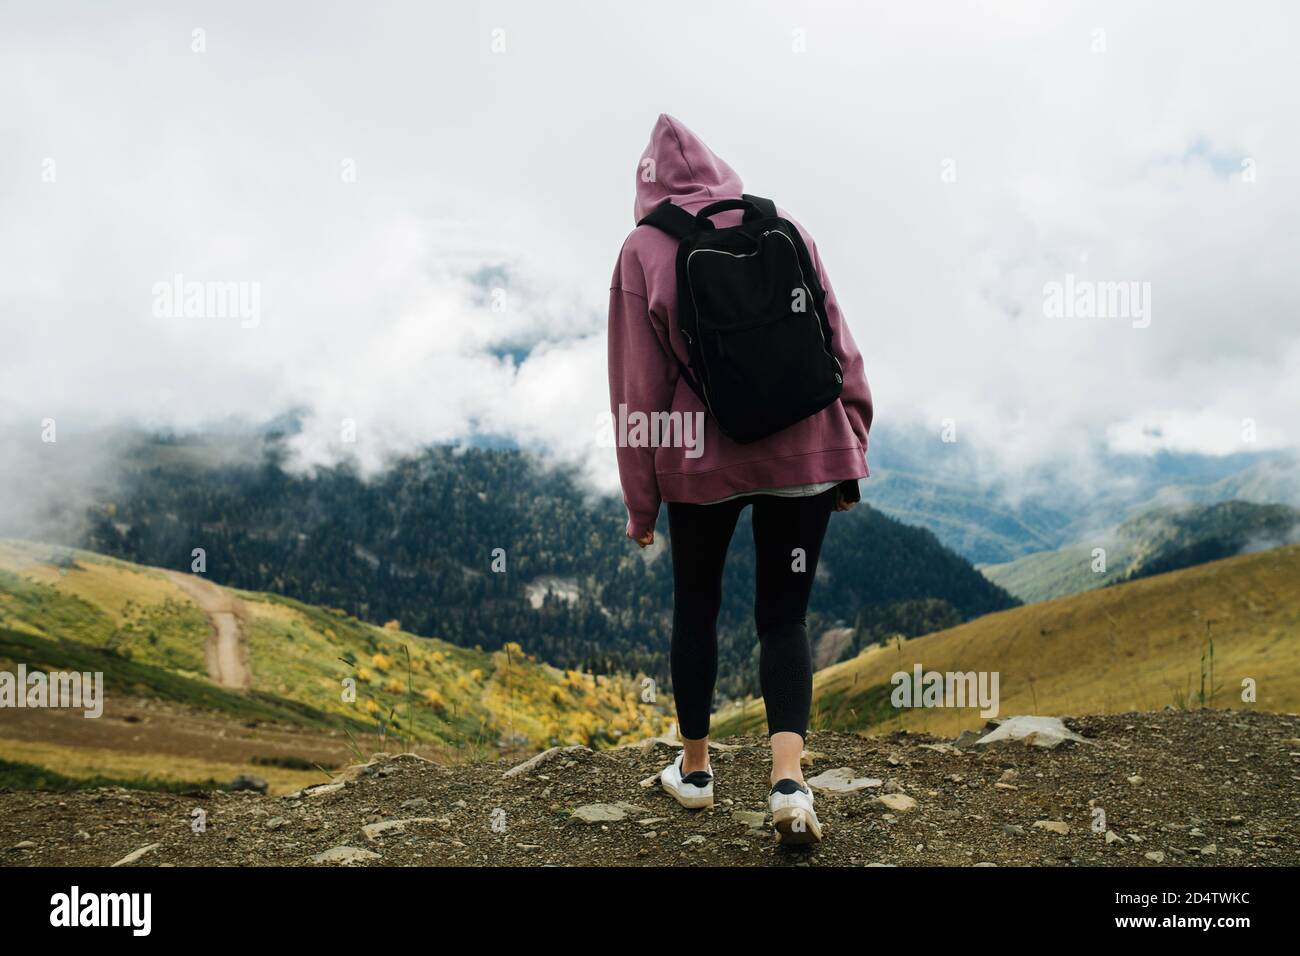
[644, 337]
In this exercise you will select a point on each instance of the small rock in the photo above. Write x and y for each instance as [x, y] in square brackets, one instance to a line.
[1054, 826]
[900, 802]
[1155, 856]
[750, 818]
[1210, 850]
[373, 831]
[1113, 837]
[136, 854]
[345, 856]
[940, 748]
[1013, 829]
[323, 789]
[275, 823]
[545, 756]
[841, 780]
[415, 803]
[599, 813]
[1046, 732]
[1135, 780]
[24, 845]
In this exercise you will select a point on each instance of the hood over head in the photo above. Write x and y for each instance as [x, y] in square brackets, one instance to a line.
[678, 166]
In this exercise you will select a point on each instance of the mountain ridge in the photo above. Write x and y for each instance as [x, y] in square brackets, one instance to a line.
[1162, 538]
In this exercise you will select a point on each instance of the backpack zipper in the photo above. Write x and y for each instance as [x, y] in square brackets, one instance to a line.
[735, 255]
[803, 280]
[839, 370]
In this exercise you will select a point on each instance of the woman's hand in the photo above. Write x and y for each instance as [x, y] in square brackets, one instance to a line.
[645, 540]
[842, 503]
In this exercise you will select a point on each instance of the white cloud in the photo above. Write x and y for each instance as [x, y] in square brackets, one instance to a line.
[225, 165]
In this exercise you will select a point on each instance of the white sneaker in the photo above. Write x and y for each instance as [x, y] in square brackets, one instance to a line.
[693, 791]
[793, 816]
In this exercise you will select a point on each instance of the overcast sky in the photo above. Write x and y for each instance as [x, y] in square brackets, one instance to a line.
[376, 169]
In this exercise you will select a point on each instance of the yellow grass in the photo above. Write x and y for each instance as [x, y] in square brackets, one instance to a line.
[1135, 646]
[84, 762]
[108, 584]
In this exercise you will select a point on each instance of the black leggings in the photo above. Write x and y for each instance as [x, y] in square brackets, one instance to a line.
[700, 535]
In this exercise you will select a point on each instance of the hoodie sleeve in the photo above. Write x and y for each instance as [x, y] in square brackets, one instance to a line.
[642, 377]
[856, 396]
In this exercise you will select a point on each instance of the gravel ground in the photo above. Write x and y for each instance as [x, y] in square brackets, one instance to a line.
[1199, 788]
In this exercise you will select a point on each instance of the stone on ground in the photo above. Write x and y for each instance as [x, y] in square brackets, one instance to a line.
[1046, 732]
[841, 780]
[898, 801]
[345, 856]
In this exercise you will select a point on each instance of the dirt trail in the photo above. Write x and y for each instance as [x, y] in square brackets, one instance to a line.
[226, 650]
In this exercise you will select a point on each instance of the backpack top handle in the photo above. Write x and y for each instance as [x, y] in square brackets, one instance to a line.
[755, 207]
[676, 221]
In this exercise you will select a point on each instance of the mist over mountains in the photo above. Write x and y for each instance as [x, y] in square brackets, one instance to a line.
[414, 541]
[989, 516]
[973, 502]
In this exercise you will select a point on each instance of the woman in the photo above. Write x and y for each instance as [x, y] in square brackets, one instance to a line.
[793, 479]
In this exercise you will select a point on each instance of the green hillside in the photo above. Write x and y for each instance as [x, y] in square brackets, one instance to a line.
[310, 669]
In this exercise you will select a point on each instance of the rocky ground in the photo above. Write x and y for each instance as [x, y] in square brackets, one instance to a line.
[1198, 788]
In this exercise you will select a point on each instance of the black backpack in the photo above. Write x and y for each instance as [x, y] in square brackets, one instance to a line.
[753, 313]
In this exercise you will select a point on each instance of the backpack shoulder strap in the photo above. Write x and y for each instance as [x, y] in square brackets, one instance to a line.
[674, 220]
[765, 206]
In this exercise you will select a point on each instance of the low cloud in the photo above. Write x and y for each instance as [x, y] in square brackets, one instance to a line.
[455, 286]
